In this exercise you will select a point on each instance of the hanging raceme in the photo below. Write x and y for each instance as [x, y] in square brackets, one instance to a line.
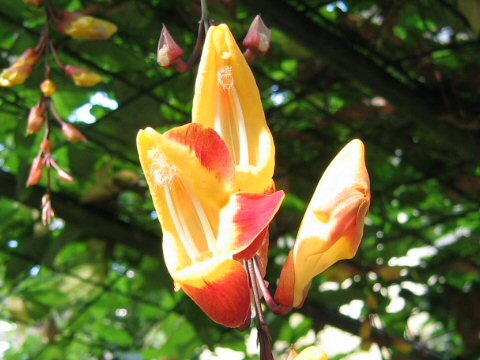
[212, 186]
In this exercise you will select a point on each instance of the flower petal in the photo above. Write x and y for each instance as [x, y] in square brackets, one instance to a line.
[227, 99]
[220, 287]
[332, 227]
[246, 216]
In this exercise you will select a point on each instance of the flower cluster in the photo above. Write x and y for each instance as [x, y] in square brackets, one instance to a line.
[212, 185]
[77, 25]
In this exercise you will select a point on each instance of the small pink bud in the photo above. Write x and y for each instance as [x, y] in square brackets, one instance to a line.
[36, 171]
[168, 52]
[258, 36]
[47, 210]
[46, 146]
[36, 118]
[72, 133]
[61, 173]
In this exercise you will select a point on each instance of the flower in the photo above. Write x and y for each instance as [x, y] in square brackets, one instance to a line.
[20, 70]
[36, 118]
[81, 76]
[258, 36]
[332, 227]
[36, 171]
[168, 51]
[208, 228]
[227, 99]
[72, 133]
[80, 26]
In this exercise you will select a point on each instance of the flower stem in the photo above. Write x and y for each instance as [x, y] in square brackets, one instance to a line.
[274, 306]
[264, 337]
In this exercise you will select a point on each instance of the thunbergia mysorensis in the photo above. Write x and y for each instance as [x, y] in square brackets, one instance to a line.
[208, 228]
[227, 99]
[212, 186]
[332, 227]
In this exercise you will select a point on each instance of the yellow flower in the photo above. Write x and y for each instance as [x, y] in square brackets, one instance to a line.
[80, 26]
[332, 227]
[81, 76]
[208, 228]
[20, 70]
[227, 99]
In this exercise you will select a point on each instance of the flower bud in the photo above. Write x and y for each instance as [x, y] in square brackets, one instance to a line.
[168, 52]
[48, 87]
[36, 171]
[36, 118]
[310, 353]
[47, 210]
[258, 36]
[80, 26]
[81, 76]
[20, 70]
[72, 133]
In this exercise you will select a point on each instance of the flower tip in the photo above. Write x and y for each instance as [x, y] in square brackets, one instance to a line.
[309, 353]
[258, 37]
[168, 51]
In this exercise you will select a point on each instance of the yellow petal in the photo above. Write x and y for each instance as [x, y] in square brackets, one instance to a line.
[227, 99]
[311, 353]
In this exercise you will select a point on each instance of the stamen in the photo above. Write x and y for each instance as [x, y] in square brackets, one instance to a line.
[225, 78]
[161, 170]
[182, 228]
[207, 228]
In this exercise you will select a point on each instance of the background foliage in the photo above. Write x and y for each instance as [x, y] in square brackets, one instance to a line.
[401, 75]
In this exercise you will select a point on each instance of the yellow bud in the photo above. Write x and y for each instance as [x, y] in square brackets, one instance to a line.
[48, 87]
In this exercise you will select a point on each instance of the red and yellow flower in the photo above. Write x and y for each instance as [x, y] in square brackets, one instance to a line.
[332, 227]
[208, 227]
[20, 70]
[82, 26]
[227, 100]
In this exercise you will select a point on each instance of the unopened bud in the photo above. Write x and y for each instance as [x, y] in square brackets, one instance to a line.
[20, 70]
[72, 133]
[46, 146]
[168, 52]
[81, 26]
[36, 171]
[47, 210]
[48, 87]
[62, 174]
[36, 118]
[81, 76]
[258, 36]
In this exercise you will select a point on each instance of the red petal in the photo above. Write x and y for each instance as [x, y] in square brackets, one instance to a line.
[209, 147]
[245, 217]
[225, 299]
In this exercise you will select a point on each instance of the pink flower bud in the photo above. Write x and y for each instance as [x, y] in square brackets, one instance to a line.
[36, 118]
[258, 36]
[62, 174]
[168, 52]
[72, 133]
[36, 171]
[46, 146]
[47, 210]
